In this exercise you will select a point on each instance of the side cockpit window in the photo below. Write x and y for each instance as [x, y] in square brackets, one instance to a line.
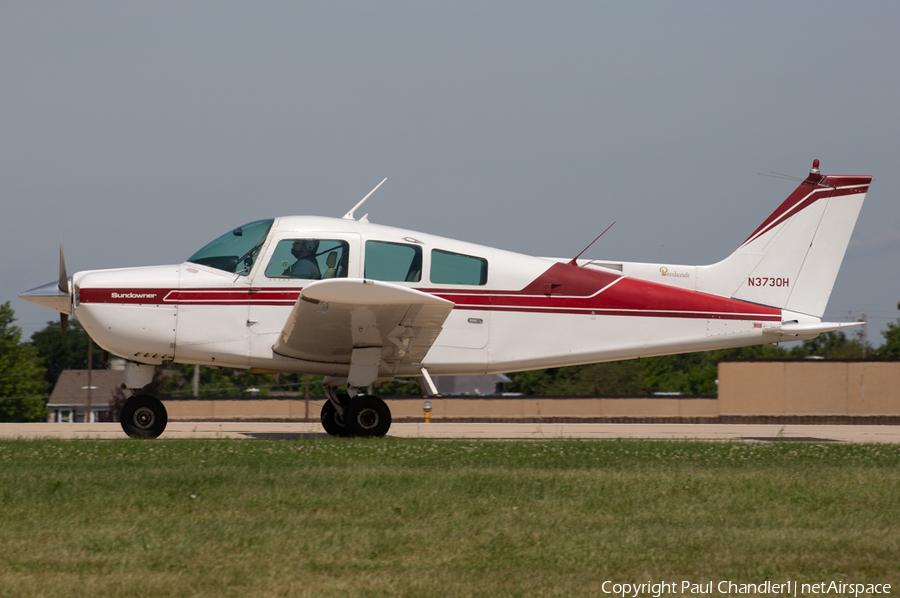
[455, 268]
[310, 259]
[393, 262]
[236, 250]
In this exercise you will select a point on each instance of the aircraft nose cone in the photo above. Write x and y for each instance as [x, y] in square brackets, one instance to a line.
[49, 296]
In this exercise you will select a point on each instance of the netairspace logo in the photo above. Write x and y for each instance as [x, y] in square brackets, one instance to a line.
[787, 588]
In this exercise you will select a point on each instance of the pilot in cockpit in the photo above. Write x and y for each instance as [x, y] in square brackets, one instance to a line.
[306, 265]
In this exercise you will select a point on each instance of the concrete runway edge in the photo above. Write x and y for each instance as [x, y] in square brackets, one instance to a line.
[720, 432]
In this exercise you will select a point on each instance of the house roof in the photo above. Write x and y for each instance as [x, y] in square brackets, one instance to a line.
[71, 388]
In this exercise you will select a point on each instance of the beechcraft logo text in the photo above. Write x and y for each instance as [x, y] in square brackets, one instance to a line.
[665, 272]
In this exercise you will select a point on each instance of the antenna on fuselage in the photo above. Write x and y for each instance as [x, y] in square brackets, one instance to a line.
[349, 215]
[574, 261]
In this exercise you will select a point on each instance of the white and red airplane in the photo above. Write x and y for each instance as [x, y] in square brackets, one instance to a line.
[361, 303]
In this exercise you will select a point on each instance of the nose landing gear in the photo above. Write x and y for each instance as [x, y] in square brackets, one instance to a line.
[143, 416]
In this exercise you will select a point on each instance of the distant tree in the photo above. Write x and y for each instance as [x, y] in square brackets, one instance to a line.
[399, 387]
[616, 378]
[59, 355]
[830, 345]
[529, 382]
[891, 347]
[22, 384]
[690, 373]
[178, 380]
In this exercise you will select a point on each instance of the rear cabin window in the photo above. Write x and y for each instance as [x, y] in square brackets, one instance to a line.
[456, 268]
[393, 262]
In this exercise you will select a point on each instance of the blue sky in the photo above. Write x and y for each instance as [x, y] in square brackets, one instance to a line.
[137, 132]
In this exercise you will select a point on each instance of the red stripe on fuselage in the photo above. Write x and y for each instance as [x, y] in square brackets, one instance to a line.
[562, 289]
[151, 296]
[565, 288]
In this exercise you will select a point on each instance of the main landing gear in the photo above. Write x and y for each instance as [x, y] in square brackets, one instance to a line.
[357, 415]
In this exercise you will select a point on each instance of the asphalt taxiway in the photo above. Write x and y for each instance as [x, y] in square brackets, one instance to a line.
[720, 432]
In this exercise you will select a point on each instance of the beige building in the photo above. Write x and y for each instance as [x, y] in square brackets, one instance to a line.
[804, 387]
[787, 391]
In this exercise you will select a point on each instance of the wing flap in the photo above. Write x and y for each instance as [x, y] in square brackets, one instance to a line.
[335, 316]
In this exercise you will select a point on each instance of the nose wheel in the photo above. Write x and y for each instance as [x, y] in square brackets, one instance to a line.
[144, 416]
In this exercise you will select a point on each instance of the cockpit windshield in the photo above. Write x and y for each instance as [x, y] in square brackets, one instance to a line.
[236, 250]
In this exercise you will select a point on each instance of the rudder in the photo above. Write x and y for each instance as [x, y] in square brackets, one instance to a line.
[792, 259]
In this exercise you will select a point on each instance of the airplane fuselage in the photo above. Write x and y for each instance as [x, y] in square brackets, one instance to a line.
[518, 312]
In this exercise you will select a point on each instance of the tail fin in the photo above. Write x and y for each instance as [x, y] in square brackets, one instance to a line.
[792, 259]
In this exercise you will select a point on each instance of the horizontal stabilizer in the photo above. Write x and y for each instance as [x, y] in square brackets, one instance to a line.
[808, 330]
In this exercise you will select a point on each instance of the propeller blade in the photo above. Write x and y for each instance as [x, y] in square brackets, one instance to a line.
[64, 287]
[63, 277]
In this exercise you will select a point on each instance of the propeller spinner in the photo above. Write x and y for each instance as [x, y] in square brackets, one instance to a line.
[55, 295]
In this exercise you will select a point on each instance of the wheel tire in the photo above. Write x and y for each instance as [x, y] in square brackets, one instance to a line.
[368, 416]
[144, 416]
[332, 420]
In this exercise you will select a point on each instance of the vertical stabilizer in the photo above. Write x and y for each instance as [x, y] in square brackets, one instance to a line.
[792, 259]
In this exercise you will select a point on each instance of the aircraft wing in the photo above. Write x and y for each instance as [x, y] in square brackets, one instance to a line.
[365, 323]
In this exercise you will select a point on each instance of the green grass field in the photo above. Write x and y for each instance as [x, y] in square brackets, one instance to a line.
[398, 517]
